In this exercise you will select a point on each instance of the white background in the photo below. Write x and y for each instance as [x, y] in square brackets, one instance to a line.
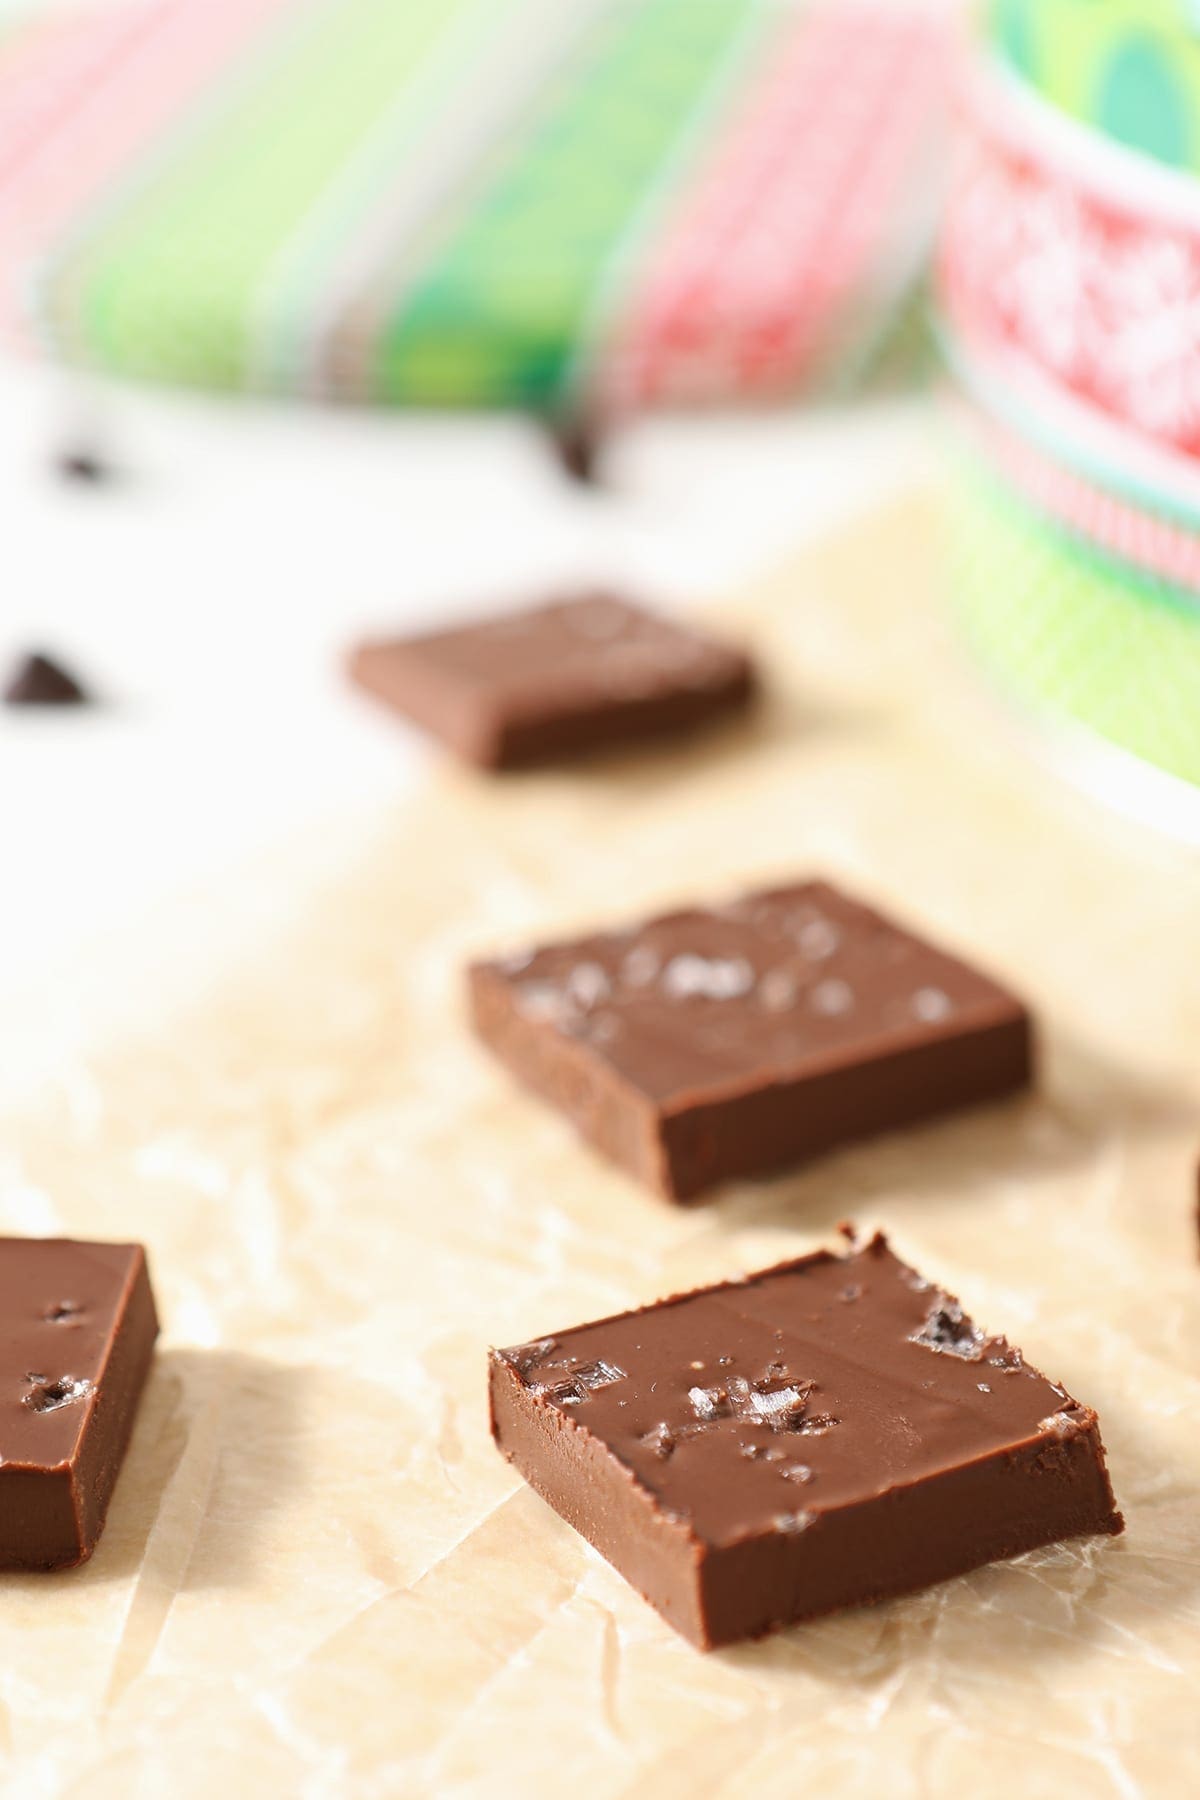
[208, 594]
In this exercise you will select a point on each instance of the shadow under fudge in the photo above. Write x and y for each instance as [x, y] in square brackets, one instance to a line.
[741, 1039]
[1051, 1604]
[1080, 1104]
[79, 1482]
[215, 1439]
[829, 1432]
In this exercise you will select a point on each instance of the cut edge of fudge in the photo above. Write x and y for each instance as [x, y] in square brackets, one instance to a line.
[607, 1110]
[737, 1127]
[632, 723]
[1048, 1486]
[443, 709]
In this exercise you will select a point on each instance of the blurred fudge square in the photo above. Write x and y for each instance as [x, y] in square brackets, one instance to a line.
[575, 675]
[740, 1039]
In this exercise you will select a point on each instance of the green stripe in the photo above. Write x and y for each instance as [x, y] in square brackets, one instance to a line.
[167, 290]
[1075, 633]
[498, 311]
[295, 290]
[1101, 465]
[1083, 551]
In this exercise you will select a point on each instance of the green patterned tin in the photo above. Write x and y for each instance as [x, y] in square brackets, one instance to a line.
[1070, 252]
[471, 202]
[1128, 68]
[1073, 633]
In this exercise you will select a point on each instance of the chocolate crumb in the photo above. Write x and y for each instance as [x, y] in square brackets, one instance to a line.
[38, 681]
[578, 447]
[83, 466]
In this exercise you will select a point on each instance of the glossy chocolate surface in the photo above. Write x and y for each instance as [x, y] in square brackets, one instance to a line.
[735, 1039]
[578, 674]
[77, 1329]
[833, 1430]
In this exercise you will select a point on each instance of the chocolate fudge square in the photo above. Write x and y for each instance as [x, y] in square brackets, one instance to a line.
[77, 1331]
[830, 1432]
[740, 1039]
[535, 687]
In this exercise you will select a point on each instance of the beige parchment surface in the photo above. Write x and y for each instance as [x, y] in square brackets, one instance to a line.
[319, 1579]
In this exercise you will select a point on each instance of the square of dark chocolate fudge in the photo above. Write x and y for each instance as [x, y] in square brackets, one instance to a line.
[533, 687]
[829, 1432]
[739, 1039]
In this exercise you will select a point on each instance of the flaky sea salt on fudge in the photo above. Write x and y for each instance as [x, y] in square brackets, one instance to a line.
[832, 1431]
[737, 1039]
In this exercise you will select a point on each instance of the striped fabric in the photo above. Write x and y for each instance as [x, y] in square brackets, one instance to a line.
[478, 202]
[1149, 543]
[1072, 633]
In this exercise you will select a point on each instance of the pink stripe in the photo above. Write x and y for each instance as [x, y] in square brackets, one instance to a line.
[1096, 293]
[30, 44]
[790, 206]
[1154, 545]
[877, 144]
[27, 47]
[95, 120]
[65, 63]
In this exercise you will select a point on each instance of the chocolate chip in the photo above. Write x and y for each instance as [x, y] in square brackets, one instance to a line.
[83, 466]
[37, 681]
[577, 448]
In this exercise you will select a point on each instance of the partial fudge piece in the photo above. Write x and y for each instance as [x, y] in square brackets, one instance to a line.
[830, 1432]
[734, 1040]
[76, 1341]
[534, 687]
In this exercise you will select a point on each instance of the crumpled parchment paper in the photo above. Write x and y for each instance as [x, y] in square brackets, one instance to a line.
[318, 1578]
